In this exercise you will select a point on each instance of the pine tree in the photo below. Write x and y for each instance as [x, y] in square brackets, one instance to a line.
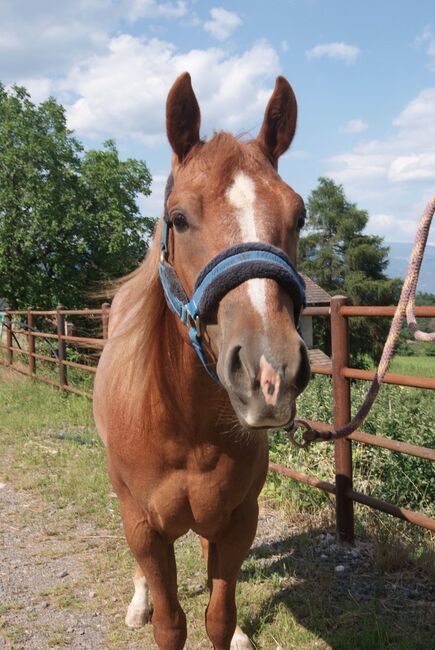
[337, 255]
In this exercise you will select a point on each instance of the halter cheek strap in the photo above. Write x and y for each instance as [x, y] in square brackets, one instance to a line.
[224, 272]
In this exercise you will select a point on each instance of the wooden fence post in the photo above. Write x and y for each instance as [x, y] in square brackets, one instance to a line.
[61, 346]
[9, 353]
[342, 413]
[31, 340]
[105, 319]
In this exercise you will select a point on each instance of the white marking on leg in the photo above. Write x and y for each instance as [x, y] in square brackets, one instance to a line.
[240, 641]
[138, 612]
[241, 195]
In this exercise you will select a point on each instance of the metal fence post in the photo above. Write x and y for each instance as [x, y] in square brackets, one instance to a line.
[9, 353]
[105, 319]
[31, 340]
[61, 346]
[342, 413]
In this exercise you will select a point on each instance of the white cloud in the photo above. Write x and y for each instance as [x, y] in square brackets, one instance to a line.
[223, 23]
[339, 51]
[354, 126]
[427, 37]
[418, 117]
[152, 206]
[39, 88]
[46, 38]
[392, 228]
[9, 41]
[297, 154]
[151, 9]
[43, 39]
[397, 172]
[412, 168]
[123, 91]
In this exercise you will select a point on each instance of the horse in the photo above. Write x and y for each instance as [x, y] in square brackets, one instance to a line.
[186, 388]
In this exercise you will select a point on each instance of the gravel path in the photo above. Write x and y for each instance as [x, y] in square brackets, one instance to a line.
[42, 583]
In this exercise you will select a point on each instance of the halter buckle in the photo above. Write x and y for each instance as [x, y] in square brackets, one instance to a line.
[195, 323]
[163, 253]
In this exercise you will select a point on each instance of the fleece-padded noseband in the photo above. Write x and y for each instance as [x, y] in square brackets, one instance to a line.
[221, 274]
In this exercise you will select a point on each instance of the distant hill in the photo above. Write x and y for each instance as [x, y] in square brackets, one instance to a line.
[398, 264]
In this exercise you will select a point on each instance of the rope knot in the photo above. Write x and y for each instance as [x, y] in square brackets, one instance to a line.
[308, 436]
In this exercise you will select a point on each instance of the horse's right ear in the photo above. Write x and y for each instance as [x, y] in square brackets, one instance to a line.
[183, 117]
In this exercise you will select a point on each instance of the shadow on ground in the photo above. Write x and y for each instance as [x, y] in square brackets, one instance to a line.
[337, 592]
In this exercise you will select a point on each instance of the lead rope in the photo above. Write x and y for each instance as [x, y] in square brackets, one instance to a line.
[406, 306]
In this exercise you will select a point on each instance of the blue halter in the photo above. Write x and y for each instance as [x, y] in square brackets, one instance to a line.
[224, 272]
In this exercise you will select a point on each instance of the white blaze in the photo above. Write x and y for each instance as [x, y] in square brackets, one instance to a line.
[241, 196]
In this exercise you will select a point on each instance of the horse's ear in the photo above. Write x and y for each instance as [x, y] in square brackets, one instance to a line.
[183, 117]
[279, 124]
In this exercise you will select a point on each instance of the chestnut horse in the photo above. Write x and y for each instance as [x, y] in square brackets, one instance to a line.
[188, 449]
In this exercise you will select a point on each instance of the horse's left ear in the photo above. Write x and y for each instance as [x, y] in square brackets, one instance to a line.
[183, 117]
[279, 124]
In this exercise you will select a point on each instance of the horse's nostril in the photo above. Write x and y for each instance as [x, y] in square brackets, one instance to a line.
[304, 371]
[238, 374]
[234, 362]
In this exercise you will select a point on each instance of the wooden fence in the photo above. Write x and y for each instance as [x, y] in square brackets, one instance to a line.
[22, 323]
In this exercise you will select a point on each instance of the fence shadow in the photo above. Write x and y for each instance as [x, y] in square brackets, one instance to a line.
[337, 593]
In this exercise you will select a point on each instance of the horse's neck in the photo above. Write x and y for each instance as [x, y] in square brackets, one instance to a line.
[199, 404]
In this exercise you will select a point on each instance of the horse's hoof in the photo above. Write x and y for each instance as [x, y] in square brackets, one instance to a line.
[137, 616]
[240, 641]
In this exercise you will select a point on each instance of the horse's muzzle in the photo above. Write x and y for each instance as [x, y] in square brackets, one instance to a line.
[263, 390]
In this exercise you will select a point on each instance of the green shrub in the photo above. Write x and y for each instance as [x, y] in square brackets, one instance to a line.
[401, 413]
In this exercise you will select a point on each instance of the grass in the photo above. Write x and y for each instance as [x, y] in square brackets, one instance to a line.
[286, 596]
[419, 366]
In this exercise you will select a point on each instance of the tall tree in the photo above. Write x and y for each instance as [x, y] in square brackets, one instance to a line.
[68, 218]
[342, 259]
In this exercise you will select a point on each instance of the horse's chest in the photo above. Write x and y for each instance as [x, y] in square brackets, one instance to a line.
[200, 496]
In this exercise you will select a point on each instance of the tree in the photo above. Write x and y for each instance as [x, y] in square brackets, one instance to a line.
[68, 218]
[342, 259]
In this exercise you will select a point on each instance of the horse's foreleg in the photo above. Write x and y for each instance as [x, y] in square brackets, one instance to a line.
[240, 641]
[225, 557]
[139, 610]
[156, 559]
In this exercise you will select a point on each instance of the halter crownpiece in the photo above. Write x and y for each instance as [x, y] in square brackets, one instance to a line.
[227, 270]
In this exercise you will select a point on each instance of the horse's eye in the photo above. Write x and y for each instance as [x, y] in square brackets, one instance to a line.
[180, 222]
[301, 220]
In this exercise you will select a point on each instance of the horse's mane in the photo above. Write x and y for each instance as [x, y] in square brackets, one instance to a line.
[144, 367]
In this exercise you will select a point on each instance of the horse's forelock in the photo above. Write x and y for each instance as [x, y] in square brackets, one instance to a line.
[222, 156]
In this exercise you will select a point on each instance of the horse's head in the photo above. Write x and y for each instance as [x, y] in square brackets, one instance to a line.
[225, 192]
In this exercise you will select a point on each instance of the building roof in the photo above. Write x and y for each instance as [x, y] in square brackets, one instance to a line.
[315, 294]
[319, 358]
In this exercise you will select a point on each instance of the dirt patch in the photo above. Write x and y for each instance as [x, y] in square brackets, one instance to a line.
[45, 596]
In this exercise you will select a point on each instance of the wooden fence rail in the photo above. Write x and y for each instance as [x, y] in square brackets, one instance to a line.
[340, 372]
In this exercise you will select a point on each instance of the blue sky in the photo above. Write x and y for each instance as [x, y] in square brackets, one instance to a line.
[363, 73]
